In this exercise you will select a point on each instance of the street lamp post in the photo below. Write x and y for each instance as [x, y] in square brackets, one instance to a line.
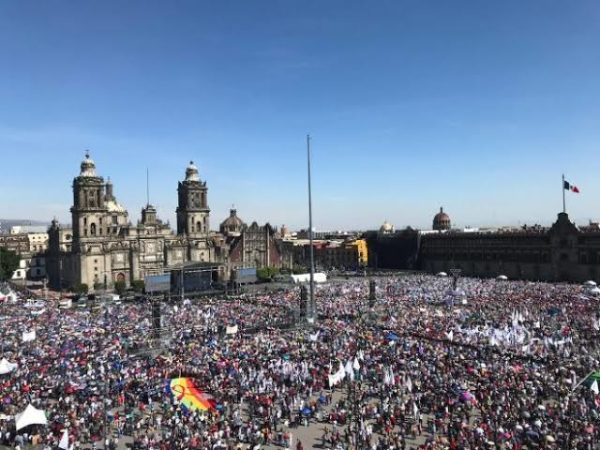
[455, 274]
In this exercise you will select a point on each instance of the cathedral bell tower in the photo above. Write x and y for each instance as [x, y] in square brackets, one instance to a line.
[192, 210]
[88, 208]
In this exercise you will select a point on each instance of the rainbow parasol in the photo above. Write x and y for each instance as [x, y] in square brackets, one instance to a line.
[188, 395]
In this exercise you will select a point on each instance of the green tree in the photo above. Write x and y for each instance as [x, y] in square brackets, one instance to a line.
[138, 285]
[266, 273]
[81, 288]
[9, 262]
[120, 287]
[299, 269]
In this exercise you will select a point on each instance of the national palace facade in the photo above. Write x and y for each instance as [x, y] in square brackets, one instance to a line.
[562, 252]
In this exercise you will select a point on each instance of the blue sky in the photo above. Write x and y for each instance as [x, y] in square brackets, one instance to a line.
[477, 106]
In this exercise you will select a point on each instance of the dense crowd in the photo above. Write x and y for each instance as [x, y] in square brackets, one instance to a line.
[490, 364]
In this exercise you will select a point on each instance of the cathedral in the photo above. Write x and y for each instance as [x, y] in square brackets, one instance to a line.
[102, 246]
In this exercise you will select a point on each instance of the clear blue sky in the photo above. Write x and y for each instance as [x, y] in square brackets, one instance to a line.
[475, 105]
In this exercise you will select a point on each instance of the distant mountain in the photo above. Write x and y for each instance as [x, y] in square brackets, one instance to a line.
[6, 224]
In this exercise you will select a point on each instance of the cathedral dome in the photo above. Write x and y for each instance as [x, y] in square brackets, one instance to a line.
[386, 228]
[441, 221]
[233, 224]
[191, 173]
[88, 166]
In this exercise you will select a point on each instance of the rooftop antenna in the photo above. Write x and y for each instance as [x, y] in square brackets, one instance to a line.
[147, 188]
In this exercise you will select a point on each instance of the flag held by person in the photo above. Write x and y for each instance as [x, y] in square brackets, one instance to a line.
[28, 336]
[64, 440]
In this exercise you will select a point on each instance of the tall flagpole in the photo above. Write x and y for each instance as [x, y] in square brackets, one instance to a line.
[313, 308]
[563, 193]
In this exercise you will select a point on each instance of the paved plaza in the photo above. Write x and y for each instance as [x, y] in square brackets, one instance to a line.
[424, 365]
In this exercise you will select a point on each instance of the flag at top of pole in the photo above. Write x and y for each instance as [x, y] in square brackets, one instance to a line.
[570, 187]
[566, 186]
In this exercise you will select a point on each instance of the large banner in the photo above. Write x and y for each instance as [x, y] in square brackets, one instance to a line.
[246, 275]
[157, 283]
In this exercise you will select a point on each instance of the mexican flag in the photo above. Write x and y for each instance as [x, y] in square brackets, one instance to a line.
[570, 187]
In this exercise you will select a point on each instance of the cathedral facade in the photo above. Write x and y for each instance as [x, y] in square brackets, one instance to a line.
[102, 246]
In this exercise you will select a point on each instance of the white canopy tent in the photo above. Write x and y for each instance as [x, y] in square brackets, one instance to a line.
[442, 274]
[6, 367]
[318, 277]
[31, 416]
[595, 290]
[590, 283]
[502, 278]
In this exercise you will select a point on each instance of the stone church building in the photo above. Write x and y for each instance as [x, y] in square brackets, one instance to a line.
[102, 246]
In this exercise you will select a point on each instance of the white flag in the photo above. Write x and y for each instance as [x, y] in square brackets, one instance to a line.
[231, 330]
[450, 335]
[349, 370]
[386, 377]
[409, 385]
[29, 336]
[64, 440]
[314, 337]
[341, 373]
[594, 387]
[356, 365]
[337, 377]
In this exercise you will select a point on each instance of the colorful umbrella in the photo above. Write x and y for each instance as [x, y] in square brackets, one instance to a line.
[188, 395]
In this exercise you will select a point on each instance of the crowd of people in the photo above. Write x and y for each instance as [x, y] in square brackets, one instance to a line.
[424, 365]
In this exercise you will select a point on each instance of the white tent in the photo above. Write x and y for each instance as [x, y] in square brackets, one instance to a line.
[502, 277]
[8, 297]
[590, 283]
[595, 290]
[442, 274]
[6, 367]
[31, 416]
[319, 277]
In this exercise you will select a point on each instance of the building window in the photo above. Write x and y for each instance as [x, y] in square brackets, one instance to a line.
[93, 229]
